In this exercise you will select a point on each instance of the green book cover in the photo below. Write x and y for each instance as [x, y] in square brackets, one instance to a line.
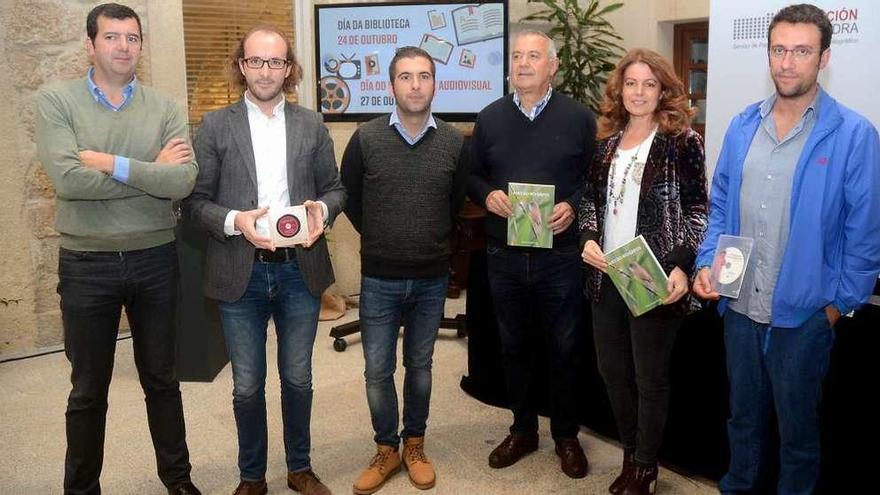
[532, 206]
[637, 275]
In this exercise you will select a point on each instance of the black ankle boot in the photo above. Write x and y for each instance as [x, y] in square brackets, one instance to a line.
[625, 473]
[643, 480]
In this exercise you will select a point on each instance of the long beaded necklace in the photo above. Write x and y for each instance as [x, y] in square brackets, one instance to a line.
[617, 199]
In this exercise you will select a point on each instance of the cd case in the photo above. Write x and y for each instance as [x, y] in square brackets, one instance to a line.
[730, 264]
[289, 226]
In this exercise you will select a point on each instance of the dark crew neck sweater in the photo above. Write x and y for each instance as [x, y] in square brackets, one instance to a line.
[403, 198]
[554, 149]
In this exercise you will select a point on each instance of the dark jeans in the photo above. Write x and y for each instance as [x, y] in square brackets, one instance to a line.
[275, 290]
[384, 303]
[783, 369]
[633, 358]
[94, 287]
[542, 285]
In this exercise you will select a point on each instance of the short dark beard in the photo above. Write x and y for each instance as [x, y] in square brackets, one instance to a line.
[800, 91]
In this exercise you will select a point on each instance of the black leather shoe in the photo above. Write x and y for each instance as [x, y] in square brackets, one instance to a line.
[251, 488]
[184, 489]
[571, 457]
[512, 449]
[643, 480]
[625, 473]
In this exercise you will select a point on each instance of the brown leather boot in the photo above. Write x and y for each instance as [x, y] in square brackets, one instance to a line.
[643, 480]
[385, 464]
[251, 488]
[421, 470]
[307, 483]
[625, 473]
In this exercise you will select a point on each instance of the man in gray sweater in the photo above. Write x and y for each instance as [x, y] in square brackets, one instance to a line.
[117, 154]
[405, 175]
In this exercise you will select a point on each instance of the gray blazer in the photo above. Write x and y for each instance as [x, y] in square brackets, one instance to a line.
[227, 181]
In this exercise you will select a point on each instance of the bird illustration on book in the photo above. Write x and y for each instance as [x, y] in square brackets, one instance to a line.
[535, 218]
[635, 271]
[532, 212]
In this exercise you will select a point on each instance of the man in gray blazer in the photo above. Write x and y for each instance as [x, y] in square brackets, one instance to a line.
[256, 155]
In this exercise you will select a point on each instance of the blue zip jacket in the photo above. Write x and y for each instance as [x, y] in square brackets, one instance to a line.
[833, 250]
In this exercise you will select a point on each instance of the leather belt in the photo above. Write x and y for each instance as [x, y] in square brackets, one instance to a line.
[280, 255]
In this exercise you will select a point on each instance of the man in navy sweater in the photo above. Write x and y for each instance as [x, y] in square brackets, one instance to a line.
[536, 136]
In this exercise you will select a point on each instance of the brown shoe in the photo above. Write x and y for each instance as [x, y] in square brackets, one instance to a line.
[512, 449]
[420, 469]
[625, 473]
[307, 483]
[643, 480]
[385, 464]
[251, 488]
[571, 457]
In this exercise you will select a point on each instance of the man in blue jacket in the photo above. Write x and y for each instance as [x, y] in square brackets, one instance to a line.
[800, 174]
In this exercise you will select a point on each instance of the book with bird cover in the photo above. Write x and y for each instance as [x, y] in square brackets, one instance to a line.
[637, 275]
[529, 226]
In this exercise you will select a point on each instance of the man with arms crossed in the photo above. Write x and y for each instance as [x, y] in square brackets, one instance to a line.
[117, 154]
[405, 175]
[798, 173]
[540, 136]
[259, 154]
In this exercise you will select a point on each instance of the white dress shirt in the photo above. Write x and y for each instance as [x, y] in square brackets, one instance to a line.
[269, 141]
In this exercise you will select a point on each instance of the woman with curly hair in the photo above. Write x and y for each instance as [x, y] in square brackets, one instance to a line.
[647, 177]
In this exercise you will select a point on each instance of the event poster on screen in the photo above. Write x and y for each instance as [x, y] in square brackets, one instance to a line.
[357, 42]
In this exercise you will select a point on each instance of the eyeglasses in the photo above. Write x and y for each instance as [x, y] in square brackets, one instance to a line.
[258, 63]
[799, 53]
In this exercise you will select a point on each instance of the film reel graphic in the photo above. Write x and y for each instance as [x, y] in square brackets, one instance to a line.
[335, 94]
[288, 226]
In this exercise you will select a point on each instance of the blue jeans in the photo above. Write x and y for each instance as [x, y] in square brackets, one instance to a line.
[782, 368]
[277, 290]
[538, 286]
[385, 304]
[94, 287]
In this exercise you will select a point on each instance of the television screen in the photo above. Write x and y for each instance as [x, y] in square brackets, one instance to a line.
[355, 44]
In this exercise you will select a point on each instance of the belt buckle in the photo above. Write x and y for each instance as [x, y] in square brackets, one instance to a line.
[261, 256]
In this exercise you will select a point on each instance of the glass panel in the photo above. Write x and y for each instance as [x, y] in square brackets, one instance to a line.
[699, 51]
[697, 81]
[700, 116]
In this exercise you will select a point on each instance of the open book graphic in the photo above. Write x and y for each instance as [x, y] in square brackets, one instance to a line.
[475, 23]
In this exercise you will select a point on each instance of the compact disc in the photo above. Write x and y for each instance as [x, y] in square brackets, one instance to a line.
[732, 269]
[288, 225]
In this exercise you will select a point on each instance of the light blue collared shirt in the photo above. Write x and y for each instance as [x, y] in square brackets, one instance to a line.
[121, 164]
[537, 109]
[394, 120]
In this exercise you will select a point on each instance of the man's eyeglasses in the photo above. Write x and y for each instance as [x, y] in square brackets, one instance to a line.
[258, 63]
[799, 52]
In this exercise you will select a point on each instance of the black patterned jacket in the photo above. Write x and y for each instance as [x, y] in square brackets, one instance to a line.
[672, 203]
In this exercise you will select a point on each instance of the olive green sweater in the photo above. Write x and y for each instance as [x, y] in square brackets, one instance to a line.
[95, 212]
